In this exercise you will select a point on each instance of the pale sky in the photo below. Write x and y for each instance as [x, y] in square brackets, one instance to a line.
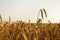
[28, 9]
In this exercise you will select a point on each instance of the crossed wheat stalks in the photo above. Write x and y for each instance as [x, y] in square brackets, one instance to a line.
[43, 11]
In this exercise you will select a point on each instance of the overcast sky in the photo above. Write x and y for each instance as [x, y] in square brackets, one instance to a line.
[28, 9]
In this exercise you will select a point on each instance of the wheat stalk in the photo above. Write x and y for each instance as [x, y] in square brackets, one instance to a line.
[41, 13]
[38, 20]
[49, 21]
[45, 12]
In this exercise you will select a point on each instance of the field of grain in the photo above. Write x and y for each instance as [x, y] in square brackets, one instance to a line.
[29, 31]
[26, 31]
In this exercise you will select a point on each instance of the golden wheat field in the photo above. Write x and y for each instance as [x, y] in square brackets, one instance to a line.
[29, 31]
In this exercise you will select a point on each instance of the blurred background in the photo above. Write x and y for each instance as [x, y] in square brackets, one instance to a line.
[28, 9]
